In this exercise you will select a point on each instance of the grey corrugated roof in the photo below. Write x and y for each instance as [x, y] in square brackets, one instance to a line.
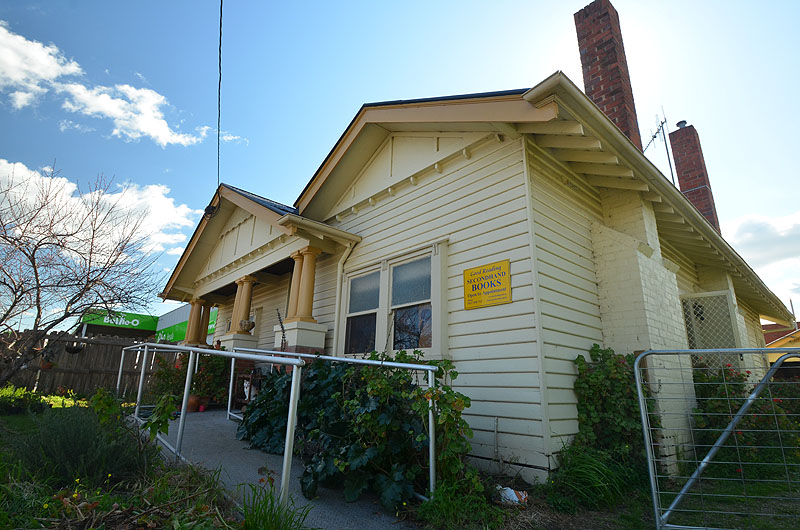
[475, 95]
[276, 207]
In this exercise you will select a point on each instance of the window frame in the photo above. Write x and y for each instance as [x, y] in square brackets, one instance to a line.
[437, 252]
[346, 300]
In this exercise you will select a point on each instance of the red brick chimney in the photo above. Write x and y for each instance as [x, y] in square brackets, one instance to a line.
[605, 70]
[691, 169]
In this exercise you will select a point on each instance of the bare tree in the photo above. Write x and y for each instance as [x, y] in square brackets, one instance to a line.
[64, 251]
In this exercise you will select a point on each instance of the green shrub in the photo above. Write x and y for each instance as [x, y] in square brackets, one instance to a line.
[758, 435]
[212, 378]
[263, 510]
[72, 443]
[169, 378]
[607, 457]
[364, 427]
[590, 477]
[461, 505]
[608, 406]
[15, 400]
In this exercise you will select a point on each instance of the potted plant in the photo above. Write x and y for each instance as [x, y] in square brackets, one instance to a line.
[210, 382]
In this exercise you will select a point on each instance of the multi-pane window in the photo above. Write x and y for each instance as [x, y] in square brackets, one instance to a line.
[362, 313]
[393, 303]
[411, 304]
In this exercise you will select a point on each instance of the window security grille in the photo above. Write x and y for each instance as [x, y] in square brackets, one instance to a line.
[710, 324]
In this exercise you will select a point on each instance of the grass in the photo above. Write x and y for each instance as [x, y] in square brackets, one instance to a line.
[61, 469]
[749, 503]
[262, 510]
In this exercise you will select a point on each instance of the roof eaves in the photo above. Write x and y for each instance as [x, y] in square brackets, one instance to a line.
[477, 95]
[563, 88]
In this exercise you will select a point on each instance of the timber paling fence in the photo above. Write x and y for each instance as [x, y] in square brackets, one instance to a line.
[95, 366]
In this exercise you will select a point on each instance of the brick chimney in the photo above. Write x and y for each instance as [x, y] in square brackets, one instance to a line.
[691, 169]
[605, 70]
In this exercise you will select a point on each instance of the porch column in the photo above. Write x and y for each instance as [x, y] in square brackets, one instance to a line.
[205, 317]
[294, 289]
[305, 300]
[193, 324]
[244, 294]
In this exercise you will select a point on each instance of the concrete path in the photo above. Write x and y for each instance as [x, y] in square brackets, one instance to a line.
[210, 440]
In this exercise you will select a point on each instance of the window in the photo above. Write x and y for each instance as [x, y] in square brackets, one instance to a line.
[711, 324]
[362, 313]
[393, 307]
[411, 304]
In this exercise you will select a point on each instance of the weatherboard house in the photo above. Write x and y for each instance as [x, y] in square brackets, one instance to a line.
[507, 231]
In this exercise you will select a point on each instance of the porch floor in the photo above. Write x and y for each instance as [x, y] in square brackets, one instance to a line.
[209, 440]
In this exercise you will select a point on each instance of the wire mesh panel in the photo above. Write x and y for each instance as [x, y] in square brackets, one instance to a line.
[723, 448]
[709, 325]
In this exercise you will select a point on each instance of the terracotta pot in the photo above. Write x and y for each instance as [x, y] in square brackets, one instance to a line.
[193, 404]
[45, 365]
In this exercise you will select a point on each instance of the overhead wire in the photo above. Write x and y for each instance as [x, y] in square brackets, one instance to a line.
[219, 88]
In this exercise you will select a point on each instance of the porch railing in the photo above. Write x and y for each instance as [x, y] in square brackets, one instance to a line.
[274, 357]
[294, 395]
[366, 362]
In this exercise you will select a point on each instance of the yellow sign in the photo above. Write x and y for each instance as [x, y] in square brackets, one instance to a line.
[487, 285]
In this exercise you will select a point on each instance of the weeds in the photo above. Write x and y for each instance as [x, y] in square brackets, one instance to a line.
[262, 509]
[590, 477]
[459, 505]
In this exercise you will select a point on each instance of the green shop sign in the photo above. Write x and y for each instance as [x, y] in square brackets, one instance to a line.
[121, 319]
[177, 332]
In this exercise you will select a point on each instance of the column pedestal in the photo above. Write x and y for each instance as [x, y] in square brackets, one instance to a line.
[237, 340]
[302, 337]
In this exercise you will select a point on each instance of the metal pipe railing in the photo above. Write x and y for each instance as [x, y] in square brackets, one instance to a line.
[298, 364]
[386, 364]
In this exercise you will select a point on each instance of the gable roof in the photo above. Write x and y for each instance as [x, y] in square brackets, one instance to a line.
[226, 198]
[276, 207]
[566, 127]
[284, 219]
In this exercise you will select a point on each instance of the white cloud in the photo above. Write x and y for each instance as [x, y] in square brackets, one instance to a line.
[228, 137]
[771, 245]
[176, 251]
[29, 69]
[66, 125]
[164, 219]
[765, 240]
[136, 112]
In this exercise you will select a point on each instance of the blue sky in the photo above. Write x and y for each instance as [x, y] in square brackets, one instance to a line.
[129, 90]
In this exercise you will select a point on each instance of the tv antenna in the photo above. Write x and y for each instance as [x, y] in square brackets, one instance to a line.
[661, 130]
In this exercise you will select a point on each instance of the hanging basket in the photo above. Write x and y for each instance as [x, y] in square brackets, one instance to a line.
[74, 348]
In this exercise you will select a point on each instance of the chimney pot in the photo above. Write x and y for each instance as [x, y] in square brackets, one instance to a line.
[681, 124]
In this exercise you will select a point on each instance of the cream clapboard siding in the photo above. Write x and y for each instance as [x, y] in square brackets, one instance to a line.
[266, 299]
[324, 310]
[753, 338]
[480, 204]
[567, 285]
[688, 282]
